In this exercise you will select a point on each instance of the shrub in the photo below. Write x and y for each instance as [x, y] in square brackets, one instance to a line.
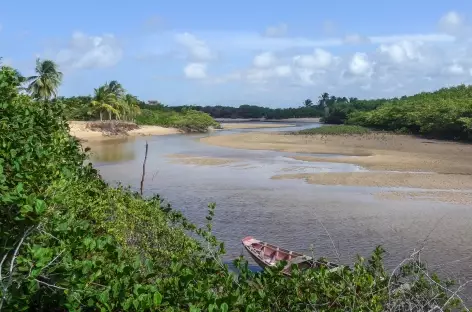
[334, 130]
[186, 120]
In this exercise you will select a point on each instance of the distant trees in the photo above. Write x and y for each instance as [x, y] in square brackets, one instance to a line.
[254, 112]
[308, 103]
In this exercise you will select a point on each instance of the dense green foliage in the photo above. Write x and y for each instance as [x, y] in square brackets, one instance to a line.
[446, 113]
[69, 241]
[334, 130]
[187, 120]
[255, 112]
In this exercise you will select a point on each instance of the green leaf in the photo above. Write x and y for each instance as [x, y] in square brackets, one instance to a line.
[157, 298]
[25, 209]
[224, 307]
[19, 188]
[40, 206]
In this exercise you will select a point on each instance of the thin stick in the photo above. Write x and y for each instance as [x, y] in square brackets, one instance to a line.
[144, 168]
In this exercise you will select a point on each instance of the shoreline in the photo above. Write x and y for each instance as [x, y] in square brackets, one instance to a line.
[80, 130]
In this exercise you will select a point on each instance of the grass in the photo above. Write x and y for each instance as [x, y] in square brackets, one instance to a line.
[335, 130]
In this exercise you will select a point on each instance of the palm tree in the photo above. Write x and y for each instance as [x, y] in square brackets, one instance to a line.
[132, 104]
[104, 101]
[116, 88]
[47, 80]
[323, 101]
[308, 103]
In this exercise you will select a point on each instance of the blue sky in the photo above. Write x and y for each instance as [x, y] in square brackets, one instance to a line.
[271, 53]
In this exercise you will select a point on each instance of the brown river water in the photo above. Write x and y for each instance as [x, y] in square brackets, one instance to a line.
[290, 212]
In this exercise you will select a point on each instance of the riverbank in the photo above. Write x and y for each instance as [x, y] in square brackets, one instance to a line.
[450, 162]
[82, 131]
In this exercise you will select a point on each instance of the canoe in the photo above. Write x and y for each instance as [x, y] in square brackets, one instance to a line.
[268, 255]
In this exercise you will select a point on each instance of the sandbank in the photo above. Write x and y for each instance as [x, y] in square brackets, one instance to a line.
[377, 151]
[80, 130]
[255, 125]
[199, 160]
[386, 179]
[396, 160]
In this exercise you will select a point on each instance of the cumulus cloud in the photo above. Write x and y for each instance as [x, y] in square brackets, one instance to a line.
[276, 31]
[360, 65]
[263, 60]
[196, 71]
[197, 49]
[402, 51]
[88, 52]
[318, 59]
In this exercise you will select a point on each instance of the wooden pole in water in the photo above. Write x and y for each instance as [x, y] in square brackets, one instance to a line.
[144, 168]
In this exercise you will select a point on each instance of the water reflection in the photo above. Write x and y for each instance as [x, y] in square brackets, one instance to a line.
[111, 151]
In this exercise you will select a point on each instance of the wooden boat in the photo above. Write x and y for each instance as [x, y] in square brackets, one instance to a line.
[269, 255]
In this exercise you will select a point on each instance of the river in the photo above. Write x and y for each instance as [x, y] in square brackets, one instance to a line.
[290, 213]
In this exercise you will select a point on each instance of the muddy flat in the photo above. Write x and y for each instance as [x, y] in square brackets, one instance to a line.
[372, 151]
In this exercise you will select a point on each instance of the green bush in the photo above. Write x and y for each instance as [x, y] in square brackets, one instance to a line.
[186, 120]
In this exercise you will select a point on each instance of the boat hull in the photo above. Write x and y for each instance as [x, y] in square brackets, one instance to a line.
[269, 255]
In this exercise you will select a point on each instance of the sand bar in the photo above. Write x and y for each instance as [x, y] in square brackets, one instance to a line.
[255, 125]
[386, 179]
[372, 151]
[79, 130]
[199, 160]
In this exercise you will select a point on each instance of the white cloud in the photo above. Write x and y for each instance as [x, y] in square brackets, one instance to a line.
[196, 71]
[198, 50]
[360, 65]
[283, 71]
[263, 60]
[319, 59]
[86, 52]
[276, 31]
[402, 51]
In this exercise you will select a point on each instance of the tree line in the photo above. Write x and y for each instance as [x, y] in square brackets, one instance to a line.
[307, 109]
